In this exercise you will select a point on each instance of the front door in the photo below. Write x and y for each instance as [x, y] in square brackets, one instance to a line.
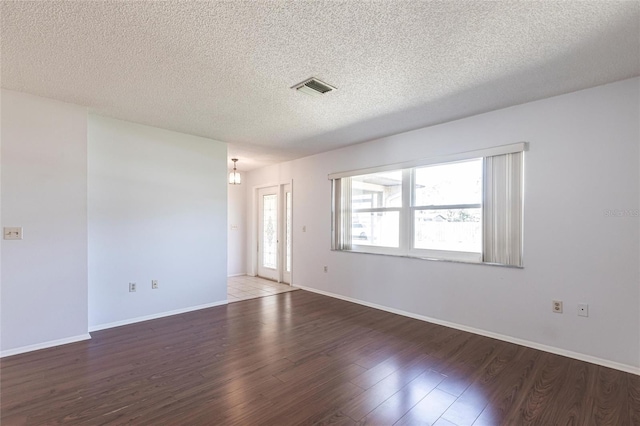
[268, 233]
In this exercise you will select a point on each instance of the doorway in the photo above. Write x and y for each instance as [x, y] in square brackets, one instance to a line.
[275, 215]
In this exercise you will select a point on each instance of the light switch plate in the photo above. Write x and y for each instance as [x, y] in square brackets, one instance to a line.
[12, 233]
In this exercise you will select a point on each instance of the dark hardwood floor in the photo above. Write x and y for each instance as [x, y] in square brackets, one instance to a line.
[301, 358]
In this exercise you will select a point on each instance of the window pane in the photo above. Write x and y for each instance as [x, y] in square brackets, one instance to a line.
[270, 231]
[376, 229]
[376, 190]
[447, 184]
[451, 230]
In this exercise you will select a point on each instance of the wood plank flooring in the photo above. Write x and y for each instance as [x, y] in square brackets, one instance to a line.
[300, 358]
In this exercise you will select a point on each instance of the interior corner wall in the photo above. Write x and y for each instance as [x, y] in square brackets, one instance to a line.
[237, 218]
[44, 191]
[157, 211]
[581, 228]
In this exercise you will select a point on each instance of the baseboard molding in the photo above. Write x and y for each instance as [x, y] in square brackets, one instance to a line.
[155, 316]
[45, 345]
[237, 275]
[551, 349]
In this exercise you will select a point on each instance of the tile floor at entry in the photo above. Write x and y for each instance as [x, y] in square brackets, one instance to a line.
[245, 287]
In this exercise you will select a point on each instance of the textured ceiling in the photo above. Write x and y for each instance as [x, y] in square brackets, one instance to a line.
[224, 69]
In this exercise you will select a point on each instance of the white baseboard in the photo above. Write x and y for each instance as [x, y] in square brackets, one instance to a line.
[45, 345]
[237, 275]
[155, 316]
[551, 349]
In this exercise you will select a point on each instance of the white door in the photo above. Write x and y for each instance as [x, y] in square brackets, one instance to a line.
[268, 235]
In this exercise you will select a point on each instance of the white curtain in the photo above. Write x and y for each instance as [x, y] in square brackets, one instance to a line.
[502, 209]
[342, 214]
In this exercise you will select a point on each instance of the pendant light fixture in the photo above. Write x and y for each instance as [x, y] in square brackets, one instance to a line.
[234, 176]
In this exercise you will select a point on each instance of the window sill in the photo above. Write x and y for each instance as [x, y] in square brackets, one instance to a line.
[430, 259]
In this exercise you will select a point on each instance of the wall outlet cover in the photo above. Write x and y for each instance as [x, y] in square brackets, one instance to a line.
[556, 306]
[583, 310]
[12, 233]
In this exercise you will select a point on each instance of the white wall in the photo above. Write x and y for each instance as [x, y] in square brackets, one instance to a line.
[157, 211]
[44, 190]
[237, 219]
[583, 159]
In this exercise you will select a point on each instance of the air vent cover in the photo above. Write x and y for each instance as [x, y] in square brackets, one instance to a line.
[313, 87]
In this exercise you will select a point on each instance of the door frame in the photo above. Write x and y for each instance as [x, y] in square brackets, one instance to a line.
[253, 228]
[283, 233]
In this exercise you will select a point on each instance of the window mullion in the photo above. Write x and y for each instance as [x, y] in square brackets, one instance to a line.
[377, 210]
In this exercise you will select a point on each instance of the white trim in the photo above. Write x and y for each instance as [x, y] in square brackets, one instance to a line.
[487, 152]
[390, 251]
[551, 349]
[237, 275]
[155, 316]
[455, 256]
[45, 345]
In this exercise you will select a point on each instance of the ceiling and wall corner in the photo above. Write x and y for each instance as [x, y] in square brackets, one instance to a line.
[224, 70]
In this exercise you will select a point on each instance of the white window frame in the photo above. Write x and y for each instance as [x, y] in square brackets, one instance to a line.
[462, 256]
[402, 238]
[407, 210]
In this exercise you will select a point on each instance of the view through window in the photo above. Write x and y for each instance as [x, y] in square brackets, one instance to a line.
[447, 207]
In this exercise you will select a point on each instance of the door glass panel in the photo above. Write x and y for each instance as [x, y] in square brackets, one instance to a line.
[270, 231]
[288, 228]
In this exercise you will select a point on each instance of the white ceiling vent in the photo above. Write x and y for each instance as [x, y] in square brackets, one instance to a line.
[314, 87]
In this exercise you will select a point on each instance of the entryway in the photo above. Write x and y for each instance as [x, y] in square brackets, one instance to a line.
[246, 287]
[274, 233]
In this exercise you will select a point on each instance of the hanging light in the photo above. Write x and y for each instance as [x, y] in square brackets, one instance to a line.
[234, 176]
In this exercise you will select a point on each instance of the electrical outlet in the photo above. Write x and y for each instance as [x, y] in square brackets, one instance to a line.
[557, 306]
[583, 310]
[326, 269]
[154, 284]
[304, 228]
[132, 287]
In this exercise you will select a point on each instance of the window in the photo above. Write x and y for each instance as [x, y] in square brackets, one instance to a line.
[466, 207]
[376, 202]
[447, 210]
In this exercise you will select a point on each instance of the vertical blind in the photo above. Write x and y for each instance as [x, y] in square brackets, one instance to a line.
[502, 209]
[342, 214]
